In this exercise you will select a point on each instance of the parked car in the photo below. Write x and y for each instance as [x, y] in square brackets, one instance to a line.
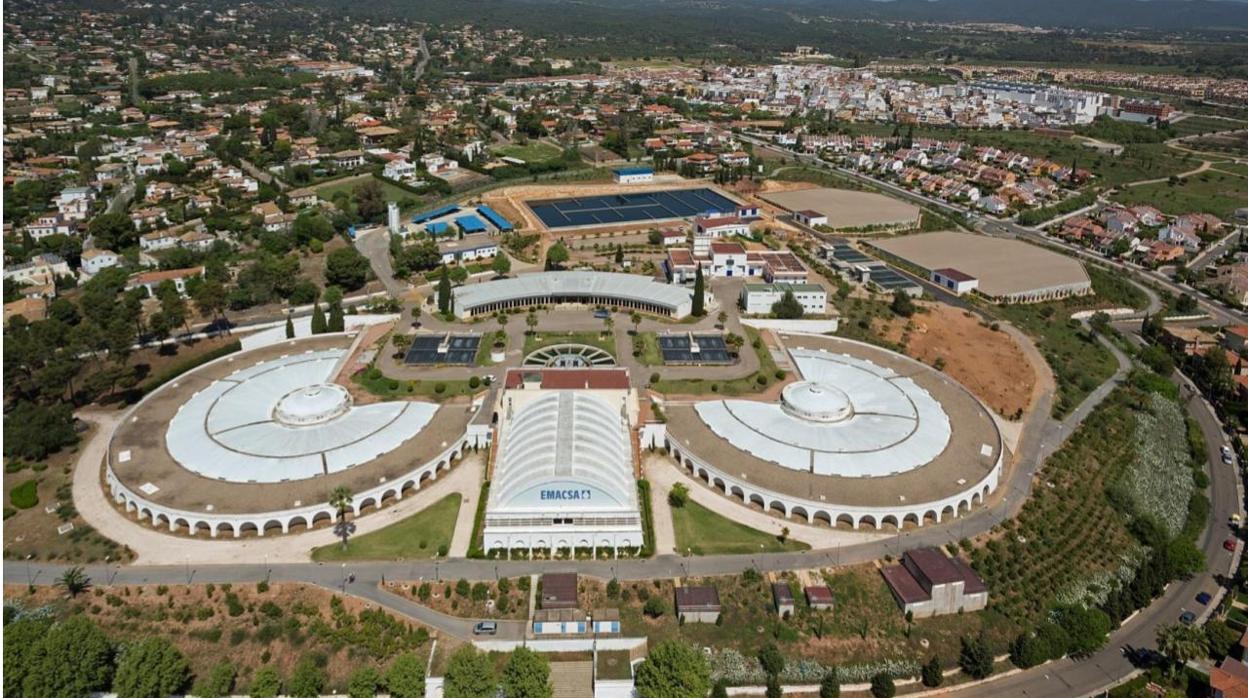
[1228, 459]
[485, 627]
[1203, 598]
[1187, 618]
[1229, 544]
[602, 313]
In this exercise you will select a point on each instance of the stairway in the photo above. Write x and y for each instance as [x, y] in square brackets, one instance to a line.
[572, 679]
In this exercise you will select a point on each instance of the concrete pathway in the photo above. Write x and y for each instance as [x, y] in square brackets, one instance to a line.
[155, 547]
[663, 473]
[470, 493]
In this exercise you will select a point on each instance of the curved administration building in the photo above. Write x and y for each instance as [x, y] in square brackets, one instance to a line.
[256, 441]
[864, 437]
[573, 287]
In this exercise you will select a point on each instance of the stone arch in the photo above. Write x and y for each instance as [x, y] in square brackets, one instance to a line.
[201, 526]
[976, 500]
[888, 520]
[738, 492]
[800, 512]
[248, 527]
[757, 499]
[583, 543]
[985, 497]
[145, 513]
[947, 512]
[847, 520]
[911, 518]
[364, 503]
[160, 519]
[703, 474]
[931, 516]
[822, 517]
[409, 485]
[391, 493]
[182, 524]
[301, 520]
[425, 476]
[778, 506]
[322, 516]
[271, 524]
[964, 506]
[223, 526]
[868, 520]
[718, 483]
[442, 465]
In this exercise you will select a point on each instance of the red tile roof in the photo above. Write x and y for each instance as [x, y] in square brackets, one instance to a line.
[570, 378]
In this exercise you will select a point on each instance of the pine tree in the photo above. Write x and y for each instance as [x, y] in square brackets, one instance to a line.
[319, 326]
[699, 293]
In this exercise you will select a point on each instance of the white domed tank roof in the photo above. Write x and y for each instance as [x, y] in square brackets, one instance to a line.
[815, 401]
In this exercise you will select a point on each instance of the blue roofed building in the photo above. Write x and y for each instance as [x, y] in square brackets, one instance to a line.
[634, 175]
[438, 228]
[470, 224]
[495, 219]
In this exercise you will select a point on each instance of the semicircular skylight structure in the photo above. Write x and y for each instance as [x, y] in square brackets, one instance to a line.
[285, 420]
[848, 417]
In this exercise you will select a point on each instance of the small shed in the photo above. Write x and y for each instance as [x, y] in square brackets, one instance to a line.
[563, 621]
[559, 590]
[697, 604]
[818, 597]
[782, 595]
[607, 620]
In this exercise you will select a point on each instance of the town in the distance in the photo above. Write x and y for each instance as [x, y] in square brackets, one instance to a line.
[534, 350]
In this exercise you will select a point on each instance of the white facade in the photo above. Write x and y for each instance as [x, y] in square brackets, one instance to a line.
[564, 474]
[634, 175]
[757, 299]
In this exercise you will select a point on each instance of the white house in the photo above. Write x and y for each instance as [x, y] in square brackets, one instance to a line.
[633, 175]
[954, 281]
[97, 260]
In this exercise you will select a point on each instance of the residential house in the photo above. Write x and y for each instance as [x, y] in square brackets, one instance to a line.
[96, 260]
[151, 280]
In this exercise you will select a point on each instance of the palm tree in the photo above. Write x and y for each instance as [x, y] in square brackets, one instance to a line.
[635, 317]
[1181, 643]
[340, 499]
[74, 581]
[531, 321]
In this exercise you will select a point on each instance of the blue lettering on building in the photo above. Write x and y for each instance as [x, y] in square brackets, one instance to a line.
[565, 495]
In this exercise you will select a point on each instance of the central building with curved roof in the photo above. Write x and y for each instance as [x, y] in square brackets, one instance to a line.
[573, 287]
[564, 477]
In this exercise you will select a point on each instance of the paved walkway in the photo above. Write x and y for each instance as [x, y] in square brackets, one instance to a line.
[154, 547]
[474, 467]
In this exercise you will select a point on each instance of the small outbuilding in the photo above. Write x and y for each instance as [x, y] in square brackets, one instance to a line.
[818, 597]
[697, 604]
[559, 590]
[810, 217]
[782, 595]
[955, 281]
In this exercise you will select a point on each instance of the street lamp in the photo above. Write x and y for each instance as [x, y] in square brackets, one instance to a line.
[344, 577]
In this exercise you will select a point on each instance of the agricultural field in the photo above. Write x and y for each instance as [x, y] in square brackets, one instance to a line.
[1074, 541]
[1194, 125]
[703, 532]
[418, 537]
[1213, 192]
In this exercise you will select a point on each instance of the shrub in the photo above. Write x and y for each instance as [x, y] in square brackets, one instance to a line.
[25, 495]
[654, 607]
[474, 382]
[439, 388]
[882, 686]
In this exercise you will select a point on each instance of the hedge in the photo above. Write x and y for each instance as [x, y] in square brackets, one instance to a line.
[475, 548]
[25, 495]
[647, 518]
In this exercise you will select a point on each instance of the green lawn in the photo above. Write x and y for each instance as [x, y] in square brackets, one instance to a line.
[704, 532]
[1208, 192]
[377, 383]
[650, 354]
[406, 199]
[531, 152]
[417, 537]
[1193, 125]
[535, 341]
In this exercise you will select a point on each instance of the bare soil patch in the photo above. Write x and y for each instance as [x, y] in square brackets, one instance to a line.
[989, 363]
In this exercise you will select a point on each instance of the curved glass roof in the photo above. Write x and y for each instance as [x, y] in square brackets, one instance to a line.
[574, 284]
[850, 418]
[246, 427]
[564, 449]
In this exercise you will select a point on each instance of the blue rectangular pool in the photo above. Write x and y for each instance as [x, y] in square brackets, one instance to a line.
[630, 208]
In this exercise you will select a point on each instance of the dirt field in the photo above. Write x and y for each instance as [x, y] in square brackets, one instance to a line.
[987, 362]
[300, 622]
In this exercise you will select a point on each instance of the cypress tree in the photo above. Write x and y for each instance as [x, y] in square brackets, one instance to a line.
[290, 328]
[699, 293]
[444, 291]
[319, 325]
[336, 322]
